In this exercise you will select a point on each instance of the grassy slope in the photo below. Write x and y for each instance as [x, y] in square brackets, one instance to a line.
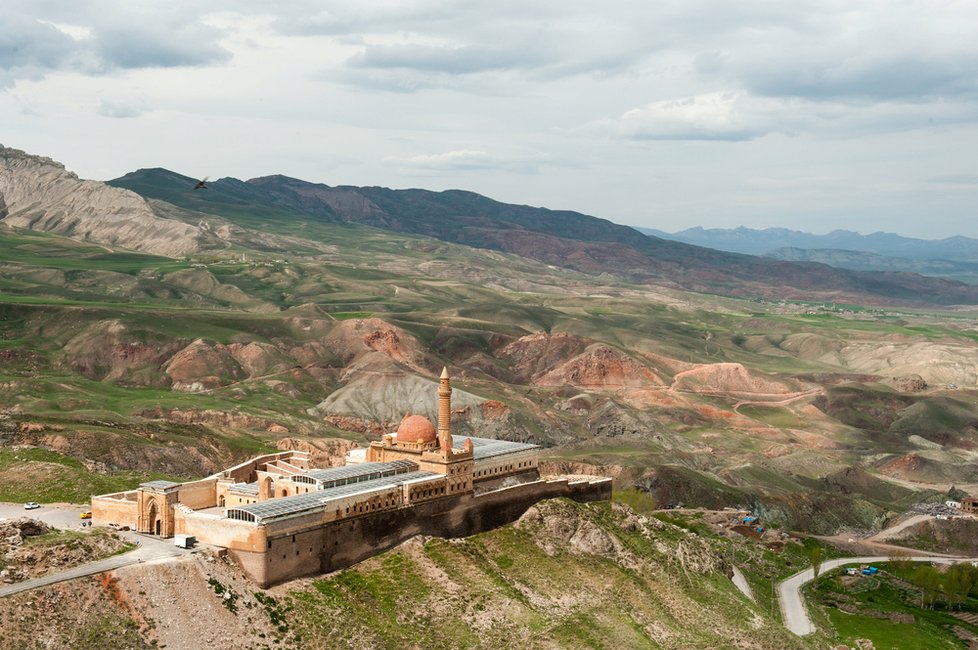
[526, 586]
[871, 602]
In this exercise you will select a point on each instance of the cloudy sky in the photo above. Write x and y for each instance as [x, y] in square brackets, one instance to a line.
[812, 115]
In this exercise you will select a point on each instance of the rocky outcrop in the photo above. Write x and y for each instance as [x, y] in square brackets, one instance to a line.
[600, 366]
[907, 383]
[323, 452]
[730, 379]
[351, 339]
[109, 351]
[40, 194]
[200, 366]
[13, 531]
[537, 354]
[559, 526]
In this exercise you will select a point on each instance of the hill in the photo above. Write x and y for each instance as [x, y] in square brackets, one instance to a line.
[564, 576]
[562, 238]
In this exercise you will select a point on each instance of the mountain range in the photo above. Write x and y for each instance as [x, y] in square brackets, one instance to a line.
[163, 214]
[763, 242]
[560, 238]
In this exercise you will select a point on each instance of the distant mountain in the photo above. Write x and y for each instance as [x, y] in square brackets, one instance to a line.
[761, 242]
[863, 261]
[558, 237]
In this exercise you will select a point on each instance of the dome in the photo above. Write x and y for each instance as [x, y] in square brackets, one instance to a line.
[415, 428]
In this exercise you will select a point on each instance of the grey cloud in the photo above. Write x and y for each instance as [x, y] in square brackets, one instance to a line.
[158, 46]
[344, 18]
[120, 37]
[28, 43]
[394, 81]
[880, 78]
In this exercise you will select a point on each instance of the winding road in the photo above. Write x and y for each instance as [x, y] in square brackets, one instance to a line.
[793, 610]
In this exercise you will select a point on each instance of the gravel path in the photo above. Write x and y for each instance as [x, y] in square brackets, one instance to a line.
[740, 582]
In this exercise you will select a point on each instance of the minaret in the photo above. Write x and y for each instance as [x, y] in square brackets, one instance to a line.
[445, 413]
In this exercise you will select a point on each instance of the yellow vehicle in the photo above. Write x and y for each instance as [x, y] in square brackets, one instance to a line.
[86, 515]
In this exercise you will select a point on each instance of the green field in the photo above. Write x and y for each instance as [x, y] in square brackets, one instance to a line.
[891, 611]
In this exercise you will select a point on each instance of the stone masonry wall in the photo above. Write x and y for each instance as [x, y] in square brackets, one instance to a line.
[337, 545]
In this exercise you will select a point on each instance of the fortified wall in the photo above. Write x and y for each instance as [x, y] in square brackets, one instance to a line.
[280, 518]
[320, 549]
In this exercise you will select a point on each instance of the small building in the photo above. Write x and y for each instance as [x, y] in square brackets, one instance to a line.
[969, 504]
[953, 504]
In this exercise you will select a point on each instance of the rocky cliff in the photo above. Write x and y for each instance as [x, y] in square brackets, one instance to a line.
[40, 194]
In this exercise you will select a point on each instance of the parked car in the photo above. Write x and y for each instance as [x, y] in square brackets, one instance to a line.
[86, 515]
[32, 505]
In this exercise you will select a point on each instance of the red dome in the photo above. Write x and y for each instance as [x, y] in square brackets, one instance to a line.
[416, 428]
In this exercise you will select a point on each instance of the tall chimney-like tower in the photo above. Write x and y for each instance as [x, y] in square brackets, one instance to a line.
[445, 413]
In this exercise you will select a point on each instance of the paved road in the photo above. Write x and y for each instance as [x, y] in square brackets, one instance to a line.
[59, 515]
[149, 549]
[793, 610]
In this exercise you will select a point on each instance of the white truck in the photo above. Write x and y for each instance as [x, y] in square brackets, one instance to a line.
[184, 541]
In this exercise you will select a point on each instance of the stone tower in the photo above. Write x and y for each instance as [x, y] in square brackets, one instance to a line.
[445, 413]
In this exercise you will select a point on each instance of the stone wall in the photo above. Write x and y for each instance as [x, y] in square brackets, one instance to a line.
[120, 508]
[337, 545]
[219, 531]
[199, 494]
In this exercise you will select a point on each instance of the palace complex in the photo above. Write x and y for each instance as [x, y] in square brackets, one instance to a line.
[281, 518]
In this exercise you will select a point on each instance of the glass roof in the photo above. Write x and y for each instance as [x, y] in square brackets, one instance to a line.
[318, 500]
[488, 448]
[352, 473]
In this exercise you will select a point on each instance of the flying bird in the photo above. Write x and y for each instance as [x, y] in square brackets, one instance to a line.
[201, 183]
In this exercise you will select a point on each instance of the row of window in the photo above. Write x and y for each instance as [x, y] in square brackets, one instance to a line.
[240, 515]
[430, 492]
[503, 469]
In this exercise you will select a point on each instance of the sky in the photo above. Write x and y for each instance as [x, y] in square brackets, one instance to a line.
[668, 114]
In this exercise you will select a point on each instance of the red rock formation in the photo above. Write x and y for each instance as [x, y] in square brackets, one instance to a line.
[601, 366]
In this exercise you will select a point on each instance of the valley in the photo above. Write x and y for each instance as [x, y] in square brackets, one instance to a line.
[260, 325]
